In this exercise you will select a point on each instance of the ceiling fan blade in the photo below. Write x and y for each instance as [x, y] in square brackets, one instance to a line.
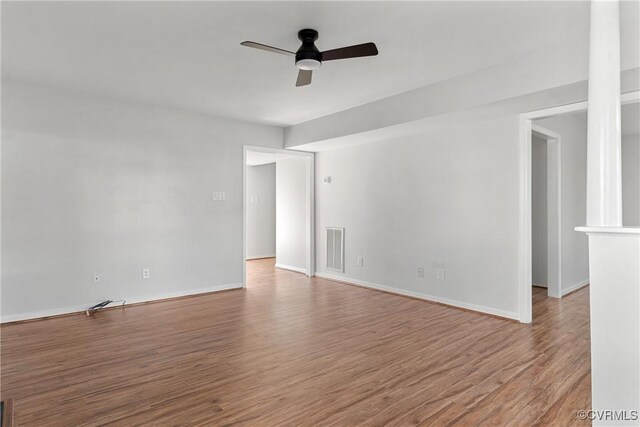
[267, 48]
[304, 78]
[356, 51]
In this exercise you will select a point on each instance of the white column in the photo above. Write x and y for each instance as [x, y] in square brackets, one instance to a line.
[614, 251]
[604, 172]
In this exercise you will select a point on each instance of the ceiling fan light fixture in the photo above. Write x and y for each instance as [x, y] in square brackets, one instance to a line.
[308, 57]
[308, 64]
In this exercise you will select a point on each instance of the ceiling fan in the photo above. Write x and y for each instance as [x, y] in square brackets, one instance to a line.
[309, 58]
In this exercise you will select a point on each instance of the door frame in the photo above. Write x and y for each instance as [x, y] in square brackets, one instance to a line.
[524, 247]
[310, 206]
[554, 208]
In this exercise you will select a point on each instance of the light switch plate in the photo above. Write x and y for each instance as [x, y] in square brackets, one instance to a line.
[218, 195]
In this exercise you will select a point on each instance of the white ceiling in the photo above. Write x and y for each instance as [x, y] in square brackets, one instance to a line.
[188, 54]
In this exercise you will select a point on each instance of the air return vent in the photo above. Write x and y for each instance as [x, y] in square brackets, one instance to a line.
[335, 249]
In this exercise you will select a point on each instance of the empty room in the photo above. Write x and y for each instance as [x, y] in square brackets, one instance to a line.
[303, 213]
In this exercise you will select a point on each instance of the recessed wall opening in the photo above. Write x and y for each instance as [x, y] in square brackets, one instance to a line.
[564, 131]
[278, 211]
[545, 213]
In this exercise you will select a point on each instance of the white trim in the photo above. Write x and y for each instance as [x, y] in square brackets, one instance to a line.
[423, 296]
[555, 111]
[309, 269]
[527, 129]
[575, 287]
[630, 97]
[609, 230]
[625, 98]
[311, 217]
[291, 268]
[81, 308]
[524, 248]
[544, 132]
[249, 258]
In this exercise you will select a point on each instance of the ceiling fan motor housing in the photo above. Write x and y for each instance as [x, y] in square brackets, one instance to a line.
[308, 57]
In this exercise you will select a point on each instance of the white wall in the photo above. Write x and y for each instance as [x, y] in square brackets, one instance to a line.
[95, 185]
[615, 323]
[291, 213]
[261, 211]
[631, 180]
[539, 211]
[447, 198]
[575, 247]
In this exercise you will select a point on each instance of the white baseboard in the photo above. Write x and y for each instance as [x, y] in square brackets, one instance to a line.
[249, 258]
[291, 268]
[575, 287]
[80, 308]
[423, 296]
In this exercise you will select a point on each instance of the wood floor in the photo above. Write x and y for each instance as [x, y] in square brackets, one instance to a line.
[290, 350]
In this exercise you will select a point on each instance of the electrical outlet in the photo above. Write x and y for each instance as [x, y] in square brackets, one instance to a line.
[97, 278]
[360, 261]
[420, 271]
[440, 274]
[218, 195]
[145, 273]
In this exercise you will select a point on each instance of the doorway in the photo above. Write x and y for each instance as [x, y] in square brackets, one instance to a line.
[545, 213]
[278, 210]
[572, 270]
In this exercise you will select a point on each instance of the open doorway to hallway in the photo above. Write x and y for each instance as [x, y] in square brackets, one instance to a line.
[546, 240]
[568, 126]
[557, 257]
[546, 219]
[278, 212]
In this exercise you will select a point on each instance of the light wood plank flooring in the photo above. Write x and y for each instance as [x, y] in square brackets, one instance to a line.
[290, 350]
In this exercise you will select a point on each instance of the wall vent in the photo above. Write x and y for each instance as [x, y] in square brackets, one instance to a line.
[335, 249]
